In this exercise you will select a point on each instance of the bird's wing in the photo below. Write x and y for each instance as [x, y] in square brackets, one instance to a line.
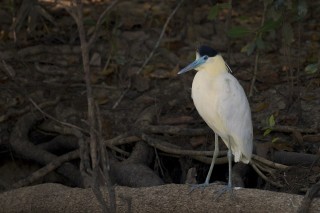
[235, 115]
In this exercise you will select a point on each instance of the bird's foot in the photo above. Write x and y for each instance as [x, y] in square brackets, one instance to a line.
[226, 189]
[198, 186]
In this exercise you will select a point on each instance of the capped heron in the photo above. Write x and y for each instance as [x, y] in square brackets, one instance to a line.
[222, 103]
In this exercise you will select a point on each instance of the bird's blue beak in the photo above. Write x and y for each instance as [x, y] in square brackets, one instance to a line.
[193, 65]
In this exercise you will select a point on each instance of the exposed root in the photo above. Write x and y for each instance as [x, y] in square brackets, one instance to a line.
[47, 169]
[265, 178]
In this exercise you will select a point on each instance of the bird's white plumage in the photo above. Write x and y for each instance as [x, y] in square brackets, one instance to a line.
[222, 103]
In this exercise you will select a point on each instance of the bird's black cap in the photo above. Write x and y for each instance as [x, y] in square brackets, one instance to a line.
[205, 50]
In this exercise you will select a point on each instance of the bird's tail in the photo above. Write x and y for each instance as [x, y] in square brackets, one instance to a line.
[241, 153]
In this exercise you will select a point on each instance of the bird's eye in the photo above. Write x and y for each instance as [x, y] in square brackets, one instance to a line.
[205, 57]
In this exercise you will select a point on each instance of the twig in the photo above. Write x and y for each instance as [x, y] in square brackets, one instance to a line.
[99, 22]
[54, 119]
[151, 53]
[255, 71]
[160, 37]
[16, 112]
[78, 17]
[105, 165]
[121, 96]
[159, 162]
[256, 60]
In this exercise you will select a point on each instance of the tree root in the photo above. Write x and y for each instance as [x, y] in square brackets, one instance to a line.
[47, 169]
[21, 145]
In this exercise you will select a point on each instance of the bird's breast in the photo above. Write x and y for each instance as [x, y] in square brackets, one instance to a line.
[205, 95]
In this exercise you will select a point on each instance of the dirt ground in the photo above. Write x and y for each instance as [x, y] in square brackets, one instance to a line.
[41, 65]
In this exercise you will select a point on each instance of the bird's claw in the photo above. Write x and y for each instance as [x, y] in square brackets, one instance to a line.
[198, 186]
[226, 189]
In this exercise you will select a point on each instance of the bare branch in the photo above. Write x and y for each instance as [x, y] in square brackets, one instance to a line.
[160, 37]
[99, 22]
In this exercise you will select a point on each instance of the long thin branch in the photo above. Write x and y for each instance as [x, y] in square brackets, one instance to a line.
[53, 118]
[105, 164]
[160, 37]
[255, 71]
[93, 38]
[86, 68]
[256, 61]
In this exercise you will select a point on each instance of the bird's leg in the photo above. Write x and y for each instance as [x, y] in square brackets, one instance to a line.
[214, 157]
[229, 186]
[230, 167]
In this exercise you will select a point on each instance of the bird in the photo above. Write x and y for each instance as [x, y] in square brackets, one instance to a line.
[222, 103]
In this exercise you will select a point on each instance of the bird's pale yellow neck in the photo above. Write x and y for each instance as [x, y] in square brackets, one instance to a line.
[215, 66]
